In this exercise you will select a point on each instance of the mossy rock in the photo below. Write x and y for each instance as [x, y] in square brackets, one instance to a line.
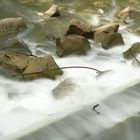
[112, 40]
[133, 51]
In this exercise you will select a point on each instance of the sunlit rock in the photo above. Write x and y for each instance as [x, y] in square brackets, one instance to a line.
[112, 40]
[133, 51]
[72, 44]
[10, 25]
[79, 27]
[42, 67]
[53, 11]
[101, 32]
[129, 13]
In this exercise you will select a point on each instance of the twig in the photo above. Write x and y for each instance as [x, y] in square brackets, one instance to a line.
[69, 67]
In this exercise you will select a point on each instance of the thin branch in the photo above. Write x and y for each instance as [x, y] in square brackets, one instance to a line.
[69, 67]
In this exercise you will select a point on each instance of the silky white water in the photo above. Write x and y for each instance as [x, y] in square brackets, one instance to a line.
[27, 106]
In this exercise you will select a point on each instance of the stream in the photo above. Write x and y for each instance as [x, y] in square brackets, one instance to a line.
[30, 111]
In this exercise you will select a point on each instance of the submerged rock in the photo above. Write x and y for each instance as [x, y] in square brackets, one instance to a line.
[10, 25]
[101, 32]
[133, 51]
[129, 13]
[112, 40]
[72, 44]
[65, 88]
[42, 67]
[53, 11]
[79, 27]
[14, 45]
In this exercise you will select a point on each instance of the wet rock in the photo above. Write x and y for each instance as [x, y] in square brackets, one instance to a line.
[72, 44]
[29, 67]
[42, 67]
[112, 40]
[136, 62]
[65, 88]
[10, 25]
[133, 51]
[53, 11]
[14, 45]
[101, 32]
[129, 13]
[14, 62]
[79, 27]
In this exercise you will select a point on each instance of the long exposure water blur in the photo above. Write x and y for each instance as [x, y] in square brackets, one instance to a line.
[29, 110]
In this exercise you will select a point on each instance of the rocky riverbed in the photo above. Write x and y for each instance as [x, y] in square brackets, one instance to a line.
[58, 56]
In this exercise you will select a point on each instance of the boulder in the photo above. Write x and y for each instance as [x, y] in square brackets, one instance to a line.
[133, 51]
[112, 40]
[14, 62]
[53, 11]
[29, 67]
[72, 44]
[10, 25]
[129, 13]
[101, 32]
[79, 27]
[42, 67]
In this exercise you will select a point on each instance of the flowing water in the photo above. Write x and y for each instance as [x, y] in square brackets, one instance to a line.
[40, 110]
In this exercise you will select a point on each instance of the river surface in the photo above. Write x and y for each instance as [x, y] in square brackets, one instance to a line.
[30, 108]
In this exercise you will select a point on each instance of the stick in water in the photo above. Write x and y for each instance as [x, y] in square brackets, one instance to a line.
[94, 108]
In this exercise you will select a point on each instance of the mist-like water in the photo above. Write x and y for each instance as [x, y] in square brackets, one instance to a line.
[27, 106]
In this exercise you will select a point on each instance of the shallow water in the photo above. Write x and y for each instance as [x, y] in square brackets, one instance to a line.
[27, 106]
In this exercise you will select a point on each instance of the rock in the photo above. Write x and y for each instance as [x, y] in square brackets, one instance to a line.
[64, 89]
[72, 44]
[42, 67]
[129, 13]
[53, 11]
[14, 45]
[133, 51]
[79, 27]
[112, 40]
[10, 25]
[101, 32]
[29, 67]
[14, 62]
[136, 62]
